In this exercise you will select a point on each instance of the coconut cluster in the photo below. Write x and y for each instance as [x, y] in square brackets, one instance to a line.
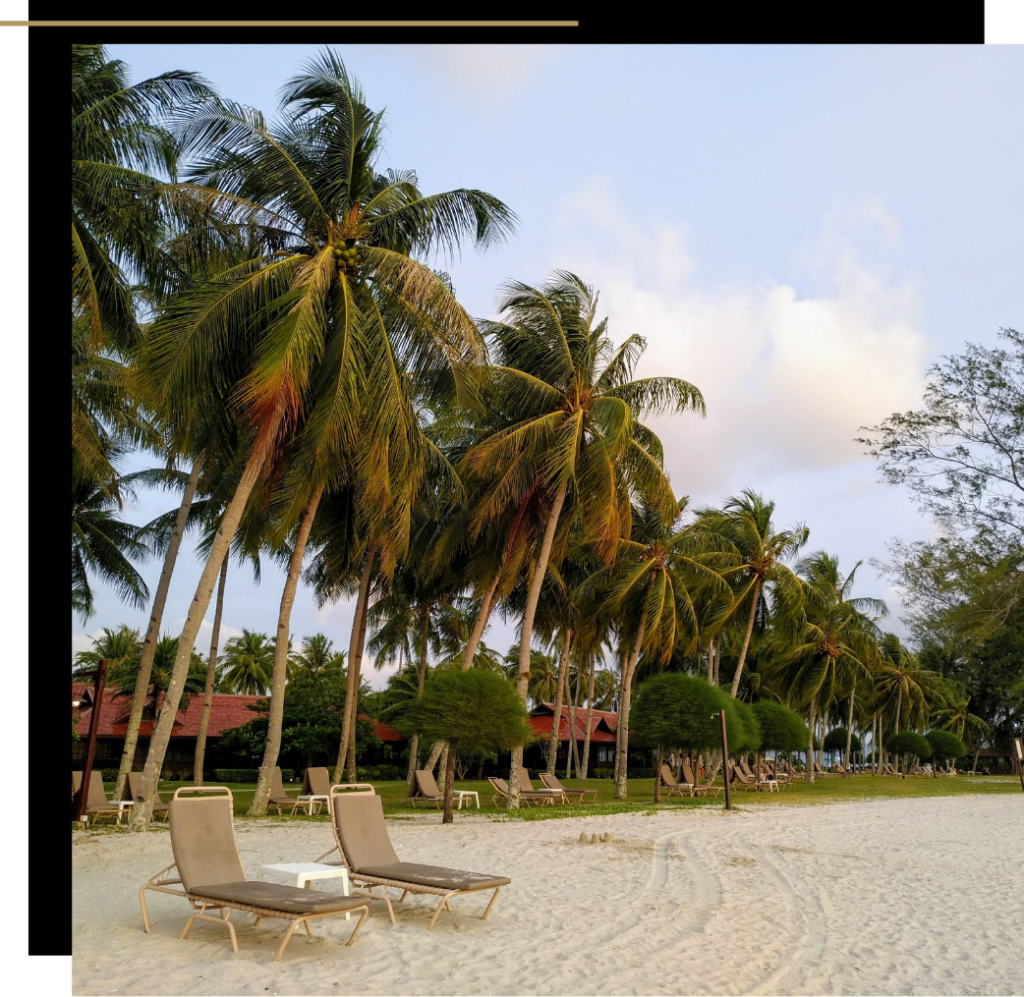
[347, 255]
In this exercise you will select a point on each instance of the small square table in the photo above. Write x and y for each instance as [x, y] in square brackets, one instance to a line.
[303, 873]
[316, 799]
[461, 794]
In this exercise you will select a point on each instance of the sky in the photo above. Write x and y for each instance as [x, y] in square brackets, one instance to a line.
[799, 231]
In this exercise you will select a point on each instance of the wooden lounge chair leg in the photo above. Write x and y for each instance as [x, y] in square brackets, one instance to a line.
[308, 929]
[440, 907]
[287, 935]
[188, 923]
[359, 924]
[145, 913]
[231, 928]
[256, 923]
[494, 896]
[405, 893]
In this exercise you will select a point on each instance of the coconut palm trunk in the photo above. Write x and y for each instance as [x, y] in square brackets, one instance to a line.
[622, 727]
[556, 720]
[449, 783]
[585, 769]
[481, 624]
[275, 719]
[849, 731]
[526, 633]
[350, 762]
[142, 812]
[899, 703]
[211, 677]
[810, 747]
[354, 652]
[131, 737]
[574, 748]
[711, 662]
[746, 640]
[414, 746]
[657, 774]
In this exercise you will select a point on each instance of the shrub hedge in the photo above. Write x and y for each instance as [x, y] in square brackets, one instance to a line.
[248, 775]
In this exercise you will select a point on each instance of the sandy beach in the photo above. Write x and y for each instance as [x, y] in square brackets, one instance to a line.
[909, 896]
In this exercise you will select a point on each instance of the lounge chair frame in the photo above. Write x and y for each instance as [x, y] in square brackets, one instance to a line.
[364, 884]
[161, 883]
[580, 794]
[533, 797]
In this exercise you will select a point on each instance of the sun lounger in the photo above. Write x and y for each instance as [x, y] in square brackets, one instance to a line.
[532, 797]
[278, 797]
[887, 769]
[426, 790]
[841, 771]
[526, 786]
[131, 791]
[97, 805]
[551, 782]
[674, 788]
[361, 838]
[211, 876]
[698, 790]
[746, 782]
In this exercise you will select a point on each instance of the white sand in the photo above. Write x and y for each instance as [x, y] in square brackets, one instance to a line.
[921, 896]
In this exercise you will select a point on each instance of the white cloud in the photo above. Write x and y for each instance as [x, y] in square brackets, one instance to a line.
[787, 379]
[481, 74]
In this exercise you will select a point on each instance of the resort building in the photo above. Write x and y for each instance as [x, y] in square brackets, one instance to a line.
[602, 736]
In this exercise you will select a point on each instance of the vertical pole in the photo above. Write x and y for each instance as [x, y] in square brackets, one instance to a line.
[1018, 747]
[81, 797]
[725, 761]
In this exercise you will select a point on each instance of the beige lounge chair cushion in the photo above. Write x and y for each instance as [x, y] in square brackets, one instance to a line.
[203, 842]
[427, 785]
[362, 831]
[316, 782]
[274, 896]
[435, 876]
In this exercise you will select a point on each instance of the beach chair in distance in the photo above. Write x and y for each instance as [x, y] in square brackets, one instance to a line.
[526, 786]
[211, 877]
[501, 793]
[672, 787]
[132, 791]
[739, 779]
[97, 805]
[362, 840]
[698, 790]
[278, 797]
[887, 769]
[819, 771]
[316, 782]
[552, 782]
[426, 790]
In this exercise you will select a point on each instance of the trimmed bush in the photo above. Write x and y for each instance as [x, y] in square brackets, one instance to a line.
[248, 775]
[908, 742]
[681, 711]
[835, 740]
[603, 773]
[748, 723]
[945, 745]
[108, 775]
[781, 728]
[381, 773]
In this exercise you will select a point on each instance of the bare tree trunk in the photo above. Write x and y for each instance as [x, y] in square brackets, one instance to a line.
[556, 720]
[711, 662]
[657, 774]
[849, 730]
[354, 652]
[444, 759]
[526, 633]
[275, 719]
[142, 812]
[414, 747]
[481, 624]
[211, 677]
[573, 742]
[131, 737]
[585, 770]
[350, 762]
[746, 640]
[570, 725]
[718, 659]
[449, 780]
[810, 748]
[899, 702]
[622, 727]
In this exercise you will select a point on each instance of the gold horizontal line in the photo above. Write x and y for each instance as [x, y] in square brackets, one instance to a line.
[289, 24]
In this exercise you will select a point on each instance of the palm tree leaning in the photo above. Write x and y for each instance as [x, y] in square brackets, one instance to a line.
[563, 423]
[751, 556]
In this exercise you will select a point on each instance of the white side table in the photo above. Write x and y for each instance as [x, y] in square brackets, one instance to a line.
[462, 794]
[312, 799]
[303, 873]
[121, 804]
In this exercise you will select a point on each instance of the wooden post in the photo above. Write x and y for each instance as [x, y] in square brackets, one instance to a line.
[1018, 750]
[81, 797]
[725, 761]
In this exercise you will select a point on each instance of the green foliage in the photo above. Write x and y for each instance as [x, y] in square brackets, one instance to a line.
[945, 744]
[681, 711]
[781, 728]
[476, 712]
[380, 773]
[835, 740]
[908, 742]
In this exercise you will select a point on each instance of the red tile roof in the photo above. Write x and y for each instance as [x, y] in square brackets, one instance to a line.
[382, 731]
[601, 731]
[226, 713]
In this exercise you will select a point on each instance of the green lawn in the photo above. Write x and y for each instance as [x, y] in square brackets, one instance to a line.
[641, 795]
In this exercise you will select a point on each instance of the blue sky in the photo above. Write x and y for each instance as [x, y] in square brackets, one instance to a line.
[798, 231]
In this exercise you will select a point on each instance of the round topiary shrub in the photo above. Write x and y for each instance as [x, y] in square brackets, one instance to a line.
[781, 728]
[681, 711]
[909, 742]
[945, 745]
[835, 740]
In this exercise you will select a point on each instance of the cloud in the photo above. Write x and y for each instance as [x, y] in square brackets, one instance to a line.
[787, 378]
[482, 74]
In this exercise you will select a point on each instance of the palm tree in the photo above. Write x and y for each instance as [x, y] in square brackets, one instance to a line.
[564, 426]
[116, 646]
[248, 662]
[957, 717]
[752, 555]
[317, 667]
[653, 590]
[318, 330]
